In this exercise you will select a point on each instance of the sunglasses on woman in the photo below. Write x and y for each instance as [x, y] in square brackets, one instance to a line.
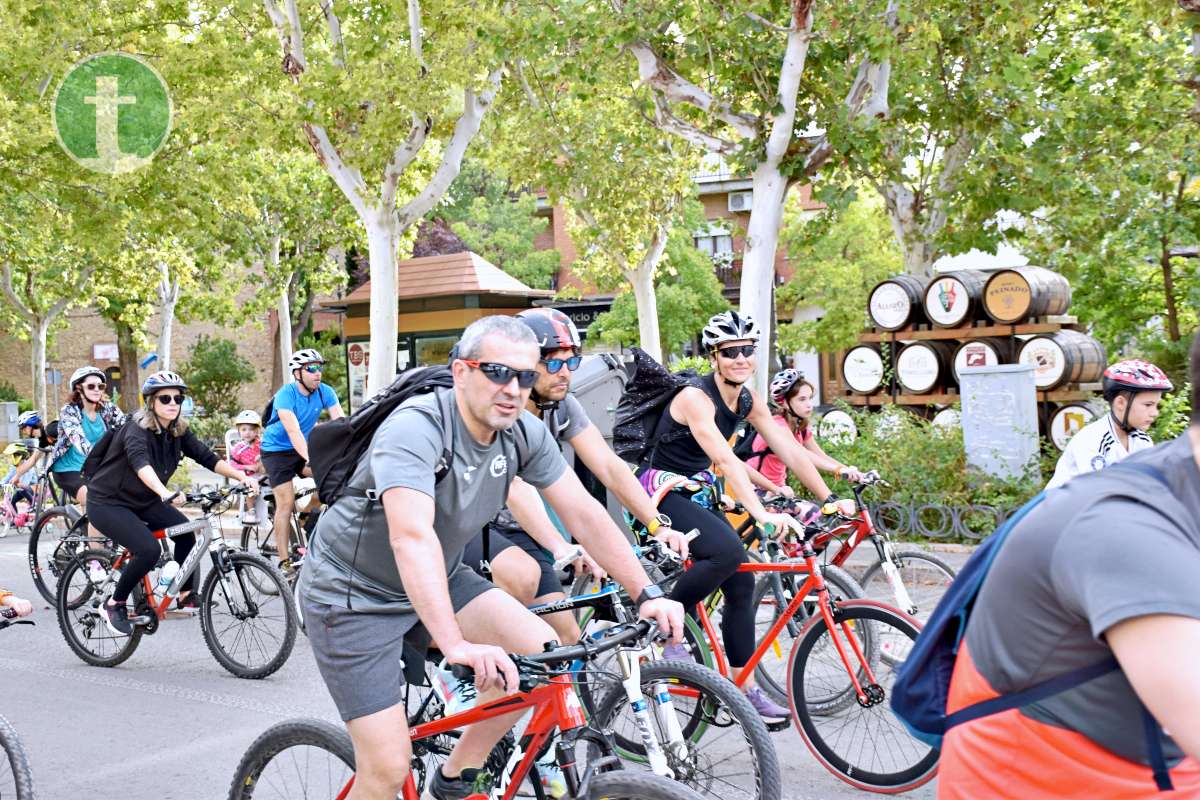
[501, 374]
[91, 387]
[553, 365]
[731, 353]
[169, 399]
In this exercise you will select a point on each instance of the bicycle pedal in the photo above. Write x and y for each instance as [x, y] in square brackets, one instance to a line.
[781, 725]
[140, 621]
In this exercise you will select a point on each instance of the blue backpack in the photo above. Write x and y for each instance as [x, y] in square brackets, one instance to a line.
[922, 689]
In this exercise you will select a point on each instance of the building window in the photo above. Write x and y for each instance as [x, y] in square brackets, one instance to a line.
[716, 241]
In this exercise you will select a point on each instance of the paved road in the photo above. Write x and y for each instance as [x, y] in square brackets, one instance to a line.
[171, 724]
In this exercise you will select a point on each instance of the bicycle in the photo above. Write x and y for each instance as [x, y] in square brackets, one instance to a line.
[249, 632]
[313, 758]
[43, 490]
[16, 778]
[12, 521]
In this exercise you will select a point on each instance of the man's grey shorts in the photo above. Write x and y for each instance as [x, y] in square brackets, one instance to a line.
[360, 654]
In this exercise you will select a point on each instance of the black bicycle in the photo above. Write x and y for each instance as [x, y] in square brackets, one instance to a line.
[16, 779]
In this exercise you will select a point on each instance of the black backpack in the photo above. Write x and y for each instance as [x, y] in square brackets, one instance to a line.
[99, 452]
[743, 448]
[335, 448]
[648, 393]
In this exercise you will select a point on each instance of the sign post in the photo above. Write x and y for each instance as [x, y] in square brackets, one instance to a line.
[1000, 418]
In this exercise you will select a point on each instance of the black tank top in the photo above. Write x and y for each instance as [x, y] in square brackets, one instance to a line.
[677, 450]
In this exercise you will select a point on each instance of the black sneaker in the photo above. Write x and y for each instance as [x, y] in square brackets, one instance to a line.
[117, 618]
[442, 788]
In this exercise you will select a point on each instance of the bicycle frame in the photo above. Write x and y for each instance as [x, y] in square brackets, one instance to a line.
[205, 542]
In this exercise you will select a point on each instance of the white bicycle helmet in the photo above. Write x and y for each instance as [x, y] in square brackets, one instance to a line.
[728, 326]
[29, 419]
[302, 357]
[80, 374]
[248, 417]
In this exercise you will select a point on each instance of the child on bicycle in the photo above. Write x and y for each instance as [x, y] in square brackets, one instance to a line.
[246, 455]
[19, 452]
[21, 606]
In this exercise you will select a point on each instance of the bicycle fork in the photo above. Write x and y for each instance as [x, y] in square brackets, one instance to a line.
[887, 562]
[664, 712]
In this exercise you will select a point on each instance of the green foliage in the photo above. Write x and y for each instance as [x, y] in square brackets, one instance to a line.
[500, 224]
[686, 290]
[702, 365]
[334, 354]
[211, 427]
[1173, 414]
[840, 254]
[215, 373]
[9, 394]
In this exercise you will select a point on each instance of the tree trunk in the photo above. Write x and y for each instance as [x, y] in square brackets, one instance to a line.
[283, 331]
[128, 362]
[300, 323]
[37, 363]
[381, 242]
[167, 324]
[1169, 291]
[762, 241]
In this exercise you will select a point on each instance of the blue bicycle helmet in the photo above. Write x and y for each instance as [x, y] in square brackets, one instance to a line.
[162, 380]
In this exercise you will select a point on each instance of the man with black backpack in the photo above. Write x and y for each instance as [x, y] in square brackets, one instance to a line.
[386, 557]
[1084, 636]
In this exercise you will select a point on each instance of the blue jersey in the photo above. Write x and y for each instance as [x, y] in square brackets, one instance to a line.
[306, 407]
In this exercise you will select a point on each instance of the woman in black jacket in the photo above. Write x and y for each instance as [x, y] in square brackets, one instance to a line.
[128, 498]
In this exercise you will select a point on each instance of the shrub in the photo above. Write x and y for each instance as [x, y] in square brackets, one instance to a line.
[9, 394]
[215, 374]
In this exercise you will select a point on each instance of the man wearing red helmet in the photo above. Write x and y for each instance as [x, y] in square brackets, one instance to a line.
[1133, 389]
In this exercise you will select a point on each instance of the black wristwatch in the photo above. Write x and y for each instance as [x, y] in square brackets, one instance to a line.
[651, 592]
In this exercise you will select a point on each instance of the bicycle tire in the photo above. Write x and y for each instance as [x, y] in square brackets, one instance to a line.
[826, 735]
[718, 708]
[16, 778]
[241, 566]
[46, 566]
[924, 589]
[624, 784]
[80, 619]
[248, 779]
[771, 672]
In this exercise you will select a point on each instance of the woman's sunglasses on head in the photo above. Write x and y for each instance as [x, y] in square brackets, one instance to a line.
[731, 353]
[553, 365]
[501, 374]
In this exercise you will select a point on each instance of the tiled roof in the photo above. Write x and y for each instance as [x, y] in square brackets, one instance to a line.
[456, 274]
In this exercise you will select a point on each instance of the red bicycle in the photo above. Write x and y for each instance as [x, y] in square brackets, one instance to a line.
[315, 759]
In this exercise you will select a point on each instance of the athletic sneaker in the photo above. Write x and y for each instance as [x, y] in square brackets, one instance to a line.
[442, 788]
[676, 652]
[456, 695]
[96, 572]
[767, 708]
[189, 603]
[117, 618]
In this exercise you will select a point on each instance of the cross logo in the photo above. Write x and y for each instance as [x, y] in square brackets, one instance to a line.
[112, 113]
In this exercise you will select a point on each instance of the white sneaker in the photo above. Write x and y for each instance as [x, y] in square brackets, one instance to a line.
[96, 572]
[456, 695]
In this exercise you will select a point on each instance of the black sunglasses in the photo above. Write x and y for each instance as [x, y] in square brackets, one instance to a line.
[170, 399]
[501, 374]
[731, 353]
[553, 365]
[91, 386]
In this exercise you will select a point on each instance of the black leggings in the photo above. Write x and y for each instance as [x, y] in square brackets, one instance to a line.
[133, 529]
[716, 554]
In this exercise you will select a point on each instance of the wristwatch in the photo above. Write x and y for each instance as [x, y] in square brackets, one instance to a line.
[651, 592]
[660, 520]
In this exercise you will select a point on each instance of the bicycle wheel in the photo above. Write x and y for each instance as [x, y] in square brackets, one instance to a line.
[925, 576]
[248, 631]
[729, 750]
[626, 784]
[771, 597]
[864, 745]
[297, 758]
[48, 553]
[16, 779]
[80, 618]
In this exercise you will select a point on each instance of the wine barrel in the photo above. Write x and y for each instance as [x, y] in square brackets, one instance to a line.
[955, 298]
[947, 417]
[989, 351]
[1066, 421]
[1012, 295]
[897, 302]
[837, 426]
[862, 369]
[1062, 358]
[923, 365]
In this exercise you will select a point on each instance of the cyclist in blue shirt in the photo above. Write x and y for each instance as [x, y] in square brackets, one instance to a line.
[294, 412]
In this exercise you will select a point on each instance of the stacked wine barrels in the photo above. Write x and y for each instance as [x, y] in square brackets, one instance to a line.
[926, 332]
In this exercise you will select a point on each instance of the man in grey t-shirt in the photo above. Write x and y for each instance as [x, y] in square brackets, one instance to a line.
[518, 563]
[379, 567]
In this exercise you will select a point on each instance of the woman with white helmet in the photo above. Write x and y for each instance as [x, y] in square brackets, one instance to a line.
[87, 416]
[692, 439]
[129, 496]
[1133, 390]
[295, 409]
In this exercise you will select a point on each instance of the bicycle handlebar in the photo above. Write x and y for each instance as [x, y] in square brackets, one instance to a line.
[8, 616]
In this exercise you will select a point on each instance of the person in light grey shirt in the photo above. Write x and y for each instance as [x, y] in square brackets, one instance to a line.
[381, 565]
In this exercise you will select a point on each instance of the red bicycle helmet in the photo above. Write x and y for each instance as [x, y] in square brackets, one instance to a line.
[1132, 376]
